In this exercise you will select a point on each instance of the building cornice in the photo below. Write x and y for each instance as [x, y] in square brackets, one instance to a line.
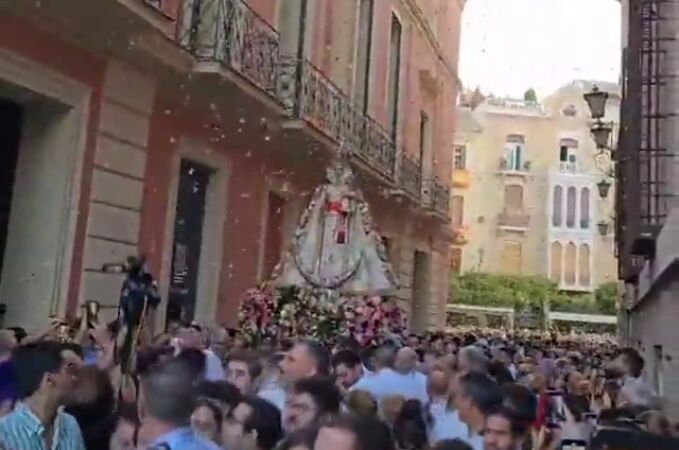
[421, 21]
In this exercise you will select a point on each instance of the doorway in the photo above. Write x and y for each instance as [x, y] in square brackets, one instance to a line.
[11, 116]
[189, 223]
[420, 301]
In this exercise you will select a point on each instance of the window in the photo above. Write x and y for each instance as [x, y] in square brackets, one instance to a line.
[557, 206]
[570, 207]
[570, 260]
[514, 150]
[584, 209]
[511, 258]
[394, 74]
[555, 265]
[568, 149]
[514, 197]
[457, 210]
[583, 265]
[459, 157]
[364, 47]
[456, 259]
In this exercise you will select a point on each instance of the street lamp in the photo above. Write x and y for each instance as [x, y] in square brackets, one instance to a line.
[603, 186]
[601, 131]
[603, 228]
[596, 100]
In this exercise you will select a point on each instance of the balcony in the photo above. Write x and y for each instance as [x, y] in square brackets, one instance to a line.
[308, 94]
[461, 178]
[568, 167]
[410, 176]
[436, 197]
[229, 34]
[517, 168]
[513, 220]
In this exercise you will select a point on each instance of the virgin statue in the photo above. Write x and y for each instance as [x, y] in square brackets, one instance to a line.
[334, 246]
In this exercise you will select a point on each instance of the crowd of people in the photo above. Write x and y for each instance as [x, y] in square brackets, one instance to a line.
[194, 388]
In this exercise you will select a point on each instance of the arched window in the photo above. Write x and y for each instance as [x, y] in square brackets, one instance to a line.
[583, 265]
[569, 265]
[557, 206]
[555, 266]
[584, 208]
[570, 207]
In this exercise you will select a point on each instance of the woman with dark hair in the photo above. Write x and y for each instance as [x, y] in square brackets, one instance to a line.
[410, 429]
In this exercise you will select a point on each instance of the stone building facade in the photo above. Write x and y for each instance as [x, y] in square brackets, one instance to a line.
[193, 131]
[525, 197]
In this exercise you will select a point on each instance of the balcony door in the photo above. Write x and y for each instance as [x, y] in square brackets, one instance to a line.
[188, 239]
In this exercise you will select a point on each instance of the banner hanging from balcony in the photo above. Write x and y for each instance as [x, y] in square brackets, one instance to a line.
[334, 247]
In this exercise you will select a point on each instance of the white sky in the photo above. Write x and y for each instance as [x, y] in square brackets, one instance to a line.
[511, 45]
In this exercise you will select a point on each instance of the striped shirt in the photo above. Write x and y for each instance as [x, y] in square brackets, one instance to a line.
[22, 430]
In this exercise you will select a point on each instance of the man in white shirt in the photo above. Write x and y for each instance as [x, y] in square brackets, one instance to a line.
[477, 395]
[413, 384]
[446, 423]
[305, 359]
[384, 381]
[348, 369]
[635, 390]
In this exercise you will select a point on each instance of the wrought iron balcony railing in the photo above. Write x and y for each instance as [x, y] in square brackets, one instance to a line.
[410, 175]
[440, 197]
[308, 94]
[229, 32]
[436, 196]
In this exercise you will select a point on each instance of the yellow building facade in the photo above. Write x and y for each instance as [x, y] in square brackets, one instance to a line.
[526, 180]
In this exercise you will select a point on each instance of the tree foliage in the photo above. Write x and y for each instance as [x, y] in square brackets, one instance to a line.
[530, 95]
[529, 292]
[606, 298]
[486, 289]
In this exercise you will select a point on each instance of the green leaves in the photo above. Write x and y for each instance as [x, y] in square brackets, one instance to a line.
[477, 288]
[529, 292]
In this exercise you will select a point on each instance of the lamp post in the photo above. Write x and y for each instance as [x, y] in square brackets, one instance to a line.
[596, 100]
[603, 186]
[601, 133]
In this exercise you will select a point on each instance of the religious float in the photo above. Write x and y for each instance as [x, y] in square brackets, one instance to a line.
[334, 280]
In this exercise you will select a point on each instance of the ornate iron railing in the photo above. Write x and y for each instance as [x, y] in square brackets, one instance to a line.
[410, 175]
[440, 197]
[231, 33]
[308, 94]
